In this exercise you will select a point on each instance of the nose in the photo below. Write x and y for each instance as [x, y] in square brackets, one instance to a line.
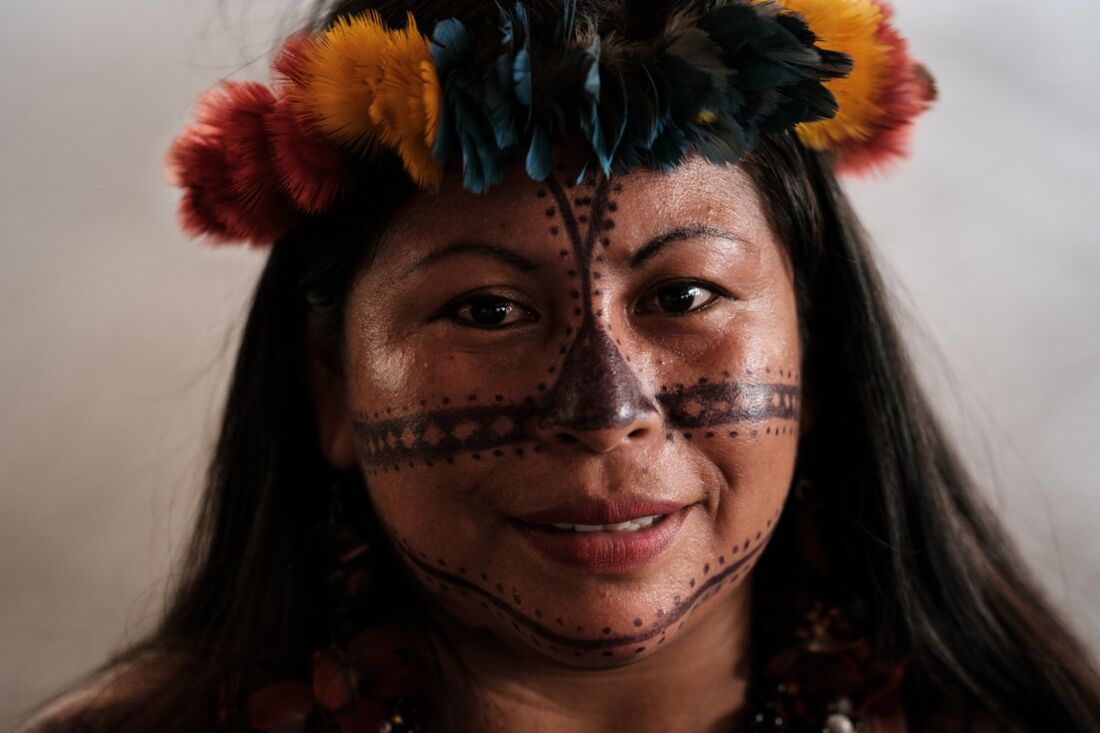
[597, 400]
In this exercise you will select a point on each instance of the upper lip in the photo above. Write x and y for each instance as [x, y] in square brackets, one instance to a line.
[598, 511]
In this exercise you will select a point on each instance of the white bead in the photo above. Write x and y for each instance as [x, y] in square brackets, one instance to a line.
[837, 723]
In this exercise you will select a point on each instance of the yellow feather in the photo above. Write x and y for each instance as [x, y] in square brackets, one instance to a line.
[706, 116]
[406, 104]
[433, 99]
[850, 26]
[342, 76]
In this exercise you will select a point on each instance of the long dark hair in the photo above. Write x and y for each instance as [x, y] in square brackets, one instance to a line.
[898, 520]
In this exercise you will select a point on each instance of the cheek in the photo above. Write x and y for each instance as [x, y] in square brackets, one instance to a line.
[735, 405]
[740, 428]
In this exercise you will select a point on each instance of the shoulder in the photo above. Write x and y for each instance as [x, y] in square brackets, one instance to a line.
[98, 704]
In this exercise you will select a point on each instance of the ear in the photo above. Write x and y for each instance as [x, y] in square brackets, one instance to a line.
[328, 389]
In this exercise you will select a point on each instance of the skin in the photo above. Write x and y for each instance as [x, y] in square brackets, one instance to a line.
[634, 338]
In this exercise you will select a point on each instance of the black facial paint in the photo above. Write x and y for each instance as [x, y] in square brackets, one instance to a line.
[430, 435]
[608, 638]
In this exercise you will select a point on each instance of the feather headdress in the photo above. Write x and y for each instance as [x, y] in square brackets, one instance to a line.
[257, 160]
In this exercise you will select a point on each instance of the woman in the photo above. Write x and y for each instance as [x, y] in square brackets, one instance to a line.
[607, 427]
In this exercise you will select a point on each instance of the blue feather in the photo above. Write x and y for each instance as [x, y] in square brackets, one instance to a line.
[498, 101]
[481, 157]
[540, 156]
[650, 131]
[450, 44]
[522, 82]
[668, 149]
[569, 12]
[581, 174]
[521, 77]
[589, 104]
[506, 26]
[477, 112]
[614, 108]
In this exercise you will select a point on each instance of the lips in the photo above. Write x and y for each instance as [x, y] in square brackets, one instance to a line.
[595, 512]
[602, 537]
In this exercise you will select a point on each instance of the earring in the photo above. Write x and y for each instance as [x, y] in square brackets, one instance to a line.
[806, 517]
[350, 573]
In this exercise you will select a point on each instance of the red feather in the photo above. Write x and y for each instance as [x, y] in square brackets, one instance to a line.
[196, 162]
[291, 61]
[225, 164]
[909, 92]
[312, 172]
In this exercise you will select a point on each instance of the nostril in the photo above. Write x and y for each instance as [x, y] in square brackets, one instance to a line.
[637, 433]
[567, 438]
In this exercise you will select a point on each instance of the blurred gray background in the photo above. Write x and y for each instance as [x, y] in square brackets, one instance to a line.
[116, 333]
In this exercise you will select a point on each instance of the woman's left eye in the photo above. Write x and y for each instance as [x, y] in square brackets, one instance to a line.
[679, 298]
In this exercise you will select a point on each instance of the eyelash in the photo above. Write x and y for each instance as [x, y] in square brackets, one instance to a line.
[454, 309]
[715, 291]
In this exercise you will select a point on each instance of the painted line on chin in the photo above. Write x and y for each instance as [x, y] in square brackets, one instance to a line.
[607, 642]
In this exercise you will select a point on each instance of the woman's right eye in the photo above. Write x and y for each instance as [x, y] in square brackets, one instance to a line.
[489, 312]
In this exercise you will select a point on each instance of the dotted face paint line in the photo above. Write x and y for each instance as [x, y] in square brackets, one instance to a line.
[423, 437]
[504, 601]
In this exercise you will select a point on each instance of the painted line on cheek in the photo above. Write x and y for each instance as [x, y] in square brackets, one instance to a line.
[719, 403]
[607, 642]
[441, 432]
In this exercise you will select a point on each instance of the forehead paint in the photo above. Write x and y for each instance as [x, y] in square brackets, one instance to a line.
[596, 388]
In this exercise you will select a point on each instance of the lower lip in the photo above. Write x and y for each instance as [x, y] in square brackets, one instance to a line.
[605, 552]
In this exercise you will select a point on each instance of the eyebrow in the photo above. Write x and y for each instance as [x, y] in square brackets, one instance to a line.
[484, 249]
[679, 234]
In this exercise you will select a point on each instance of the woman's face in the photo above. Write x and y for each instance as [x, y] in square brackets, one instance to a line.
[576, 406]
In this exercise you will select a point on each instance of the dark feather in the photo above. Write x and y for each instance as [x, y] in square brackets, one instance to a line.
[614, 109]
[711, 83]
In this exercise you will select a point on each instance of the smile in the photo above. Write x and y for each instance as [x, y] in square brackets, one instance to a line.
[601, 538]
[630, 526]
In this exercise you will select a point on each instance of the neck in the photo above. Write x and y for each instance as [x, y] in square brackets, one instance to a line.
[698, 683]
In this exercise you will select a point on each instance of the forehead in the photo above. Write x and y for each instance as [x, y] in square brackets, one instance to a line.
[529, 216]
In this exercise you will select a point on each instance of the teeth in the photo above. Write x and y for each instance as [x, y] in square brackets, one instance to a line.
[632, 526]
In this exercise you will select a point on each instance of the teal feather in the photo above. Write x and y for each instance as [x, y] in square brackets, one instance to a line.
[470, 124]
[521, 64]
[588, 106]
[614, 110]
[539, 155]
[507, 26]
[569, 14]
[449, 44]
[521, 78]
[498, 101]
